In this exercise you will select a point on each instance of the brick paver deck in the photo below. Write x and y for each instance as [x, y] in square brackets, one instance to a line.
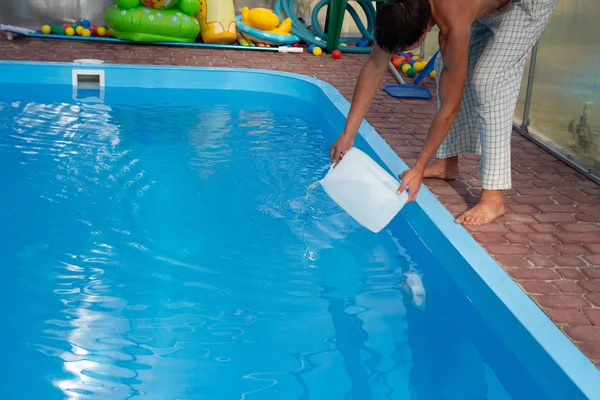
[549, 241]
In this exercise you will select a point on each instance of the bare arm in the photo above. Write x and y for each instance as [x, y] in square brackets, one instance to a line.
[455, 49]
[366, 88]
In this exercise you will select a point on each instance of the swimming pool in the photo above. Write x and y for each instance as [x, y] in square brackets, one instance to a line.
[163, 242]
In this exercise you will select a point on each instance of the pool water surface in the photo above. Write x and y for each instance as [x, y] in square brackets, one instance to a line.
[164, 245]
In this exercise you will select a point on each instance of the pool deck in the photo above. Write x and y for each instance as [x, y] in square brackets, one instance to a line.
[549, 240]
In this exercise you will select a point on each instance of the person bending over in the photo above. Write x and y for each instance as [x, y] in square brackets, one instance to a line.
[483, 50]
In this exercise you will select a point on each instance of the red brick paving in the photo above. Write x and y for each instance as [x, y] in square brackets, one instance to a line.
[549, 240]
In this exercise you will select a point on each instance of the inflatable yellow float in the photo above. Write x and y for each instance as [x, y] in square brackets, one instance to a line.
[217, 21]
[262, 25]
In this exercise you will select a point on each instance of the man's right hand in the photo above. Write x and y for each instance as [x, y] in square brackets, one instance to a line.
[339, 148]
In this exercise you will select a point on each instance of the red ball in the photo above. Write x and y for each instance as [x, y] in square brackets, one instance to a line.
[296, 45]
[352, 45]
[336, 54]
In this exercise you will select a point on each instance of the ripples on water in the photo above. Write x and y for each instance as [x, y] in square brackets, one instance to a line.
[171, 249]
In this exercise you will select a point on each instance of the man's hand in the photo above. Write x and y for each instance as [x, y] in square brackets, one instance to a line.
[411, 180]
[339, 148]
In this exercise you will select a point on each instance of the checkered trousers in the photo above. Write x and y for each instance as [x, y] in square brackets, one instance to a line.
[498, 50]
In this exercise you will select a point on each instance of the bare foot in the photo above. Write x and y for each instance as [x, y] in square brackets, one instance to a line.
[489, 208]
[446, 169]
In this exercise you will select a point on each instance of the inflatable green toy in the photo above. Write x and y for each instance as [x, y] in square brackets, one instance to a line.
[154, 20]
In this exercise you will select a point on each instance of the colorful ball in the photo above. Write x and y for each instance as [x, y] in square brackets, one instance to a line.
[46, 29]
[352, 45]
[70, 31]
[311, 47]
[94, 31]
[317, 51]
[405, 68]
[411, 72]
[79, 29]
[412, 62]
[363, 43]
[101, 31]
[296, 45]
[418, 66]
[86, 33]
[343, 45]
[397, 62]
[402, 59]
[415, 58]
[410, 54]
[86, 24]
[336, 54]
[432, 75]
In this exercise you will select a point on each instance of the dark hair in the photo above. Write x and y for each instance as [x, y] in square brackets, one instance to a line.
[400, 23]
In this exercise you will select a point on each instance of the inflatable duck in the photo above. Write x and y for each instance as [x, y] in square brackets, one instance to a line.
[266, 20]
[262, 25]
[217, 21]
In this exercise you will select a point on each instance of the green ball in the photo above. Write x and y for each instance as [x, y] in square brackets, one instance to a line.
[403, 63]
[411, 73]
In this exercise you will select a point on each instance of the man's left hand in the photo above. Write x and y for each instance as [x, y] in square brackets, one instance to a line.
[411, 180]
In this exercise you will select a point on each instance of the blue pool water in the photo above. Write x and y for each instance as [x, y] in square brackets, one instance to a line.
[166, 245]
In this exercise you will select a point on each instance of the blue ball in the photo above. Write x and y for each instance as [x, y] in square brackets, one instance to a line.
[311, 48]
[363, 43]
[85, 23]
[412, 62]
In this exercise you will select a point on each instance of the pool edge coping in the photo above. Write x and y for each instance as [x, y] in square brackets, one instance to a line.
[580, 370]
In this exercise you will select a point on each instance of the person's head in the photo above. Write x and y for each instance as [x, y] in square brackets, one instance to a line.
[402, 24]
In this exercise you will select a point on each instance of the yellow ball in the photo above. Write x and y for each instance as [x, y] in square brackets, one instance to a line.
[415, 57]
[406, 67]
[343, 45]
[86, 32]
[79, 30]
[432, 75]
[418, 66]
[69, 31]
[317, 51]
[46, 29]
[101, 31]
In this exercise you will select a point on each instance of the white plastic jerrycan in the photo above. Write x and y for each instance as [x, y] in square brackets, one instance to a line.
[364, 190]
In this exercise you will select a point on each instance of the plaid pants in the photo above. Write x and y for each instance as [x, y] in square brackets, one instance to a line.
[498, 49]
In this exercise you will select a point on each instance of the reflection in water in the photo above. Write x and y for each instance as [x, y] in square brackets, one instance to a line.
[174, 252]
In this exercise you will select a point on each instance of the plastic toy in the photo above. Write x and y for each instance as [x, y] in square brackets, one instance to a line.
[217, 21]
[411, 72]
[154, 20]
[70, 31]
[53, 30]
[336, 54]
[397, 62]
[406, 67]
[262, 25]
[317, 51]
